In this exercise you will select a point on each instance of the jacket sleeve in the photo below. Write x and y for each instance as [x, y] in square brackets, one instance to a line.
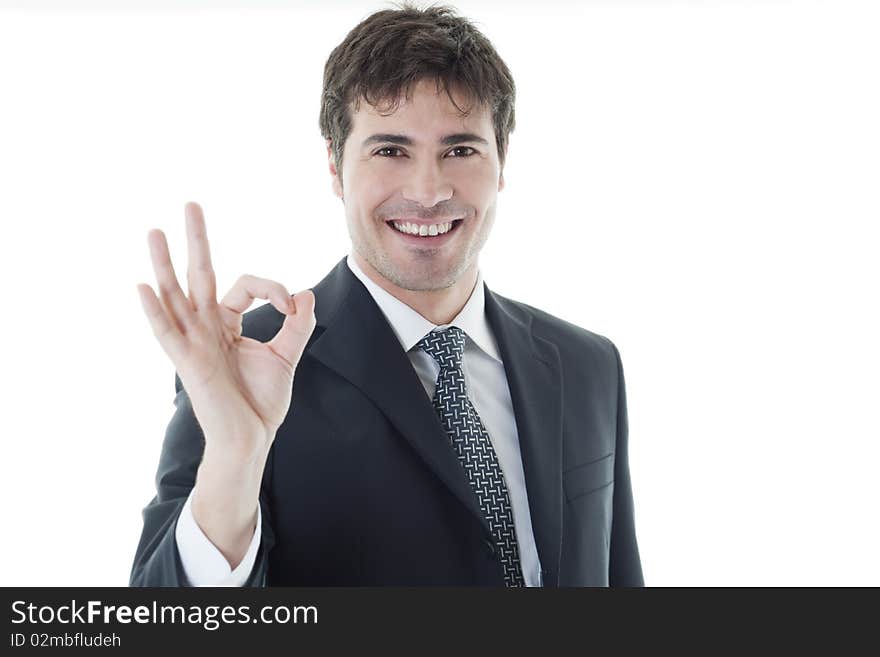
[625, 564]
[157, 559]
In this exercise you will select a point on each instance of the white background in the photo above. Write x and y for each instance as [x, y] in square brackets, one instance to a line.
[696, 181]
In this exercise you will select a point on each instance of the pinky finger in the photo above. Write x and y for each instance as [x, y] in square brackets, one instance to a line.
[168, 335]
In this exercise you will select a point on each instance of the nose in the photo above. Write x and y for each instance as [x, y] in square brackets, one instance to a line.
[427, 186]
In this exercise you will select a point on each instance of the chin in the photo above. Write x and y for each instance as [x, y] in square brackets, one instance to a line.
[415, 277]
[419, 281]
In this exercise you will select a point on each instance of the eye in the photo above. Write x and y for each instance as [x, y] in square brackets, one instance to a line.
[386, 148]
[458, 148]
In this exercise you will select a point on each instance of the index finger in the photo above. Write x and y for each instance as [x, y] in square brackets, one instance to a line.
[199, 273]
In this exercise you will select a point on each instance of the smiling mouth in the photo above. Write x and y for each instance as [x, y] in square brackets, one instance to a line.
[424, 231]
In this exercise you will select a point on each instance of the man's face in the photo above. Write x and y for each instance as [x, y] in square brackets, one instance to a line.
[424, 165]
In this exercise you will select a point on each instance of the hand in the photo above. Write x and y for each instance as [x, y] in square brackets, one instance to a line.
[240, 388]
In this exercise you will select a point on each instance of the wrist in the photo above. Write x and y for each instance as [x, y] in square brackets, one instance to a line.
[235, 461]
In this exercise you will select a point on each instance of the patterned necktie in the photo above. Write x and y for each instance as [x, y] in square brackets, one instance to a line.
[471, 442]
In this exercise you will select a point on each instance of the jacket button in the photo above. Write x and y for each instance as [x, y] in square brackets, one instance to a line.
[490, 548]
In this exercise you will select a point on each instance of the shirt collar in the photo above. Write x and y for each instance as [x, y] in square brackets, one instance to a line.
[410, 327]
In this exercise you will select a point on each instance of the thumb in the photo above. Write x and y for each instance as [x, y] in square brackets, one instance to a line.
[291, 340]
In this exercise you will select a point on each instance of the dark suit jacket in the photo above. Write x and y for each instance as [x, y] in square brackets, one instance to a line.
[362, 487]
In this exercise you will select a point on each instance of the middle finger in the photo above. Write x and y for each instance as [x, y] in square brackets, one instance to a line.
[199, 274]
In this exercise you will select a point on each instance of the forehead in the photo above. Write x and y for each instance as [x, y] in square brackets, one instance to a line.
[429, 110]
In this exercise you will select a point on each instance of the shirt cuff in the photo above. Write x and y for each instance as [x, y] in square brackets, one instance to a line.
[203, 563]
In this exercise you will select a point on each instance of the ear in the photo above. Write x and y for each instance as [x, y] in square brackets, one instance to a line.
[501, 176]
[336, 184]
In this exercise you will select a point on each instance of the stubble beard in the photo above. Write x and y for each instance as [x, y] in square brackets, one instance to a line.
[425, 275]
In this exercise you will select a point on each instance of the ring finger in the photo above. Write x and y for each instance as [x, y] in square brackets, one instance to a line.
[175, 302]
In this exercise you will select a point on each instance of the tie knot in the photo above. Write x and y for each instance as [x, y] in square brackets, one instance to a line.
[445, 346]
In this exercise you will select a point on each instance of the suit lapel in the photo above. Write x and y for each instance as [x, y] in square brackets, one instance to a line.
[358, 343]
[534, 377]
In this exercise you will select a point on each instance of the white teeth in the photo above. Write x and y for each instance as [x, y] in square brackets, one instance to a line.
[422, 230]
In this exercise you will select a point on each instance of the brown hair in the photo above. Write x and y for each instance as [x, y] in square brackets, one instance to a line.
[391, 50]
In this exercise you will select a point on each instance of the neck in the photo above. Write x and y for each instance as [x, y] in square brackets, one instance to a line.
[437, 306]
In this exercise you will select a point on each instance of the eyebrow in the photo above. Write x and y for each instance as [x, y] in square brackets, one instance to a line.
[403, 140]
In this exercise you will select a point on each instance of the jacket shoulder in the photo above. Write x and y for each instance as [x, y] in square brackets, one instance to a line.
[570, 338]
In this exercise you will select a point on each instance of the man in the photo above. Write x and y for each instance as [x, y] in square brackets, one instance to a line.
[398, 424]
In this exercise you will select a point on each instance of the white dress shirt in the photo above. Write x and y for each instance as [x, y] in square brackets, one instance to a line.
[487, 387]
